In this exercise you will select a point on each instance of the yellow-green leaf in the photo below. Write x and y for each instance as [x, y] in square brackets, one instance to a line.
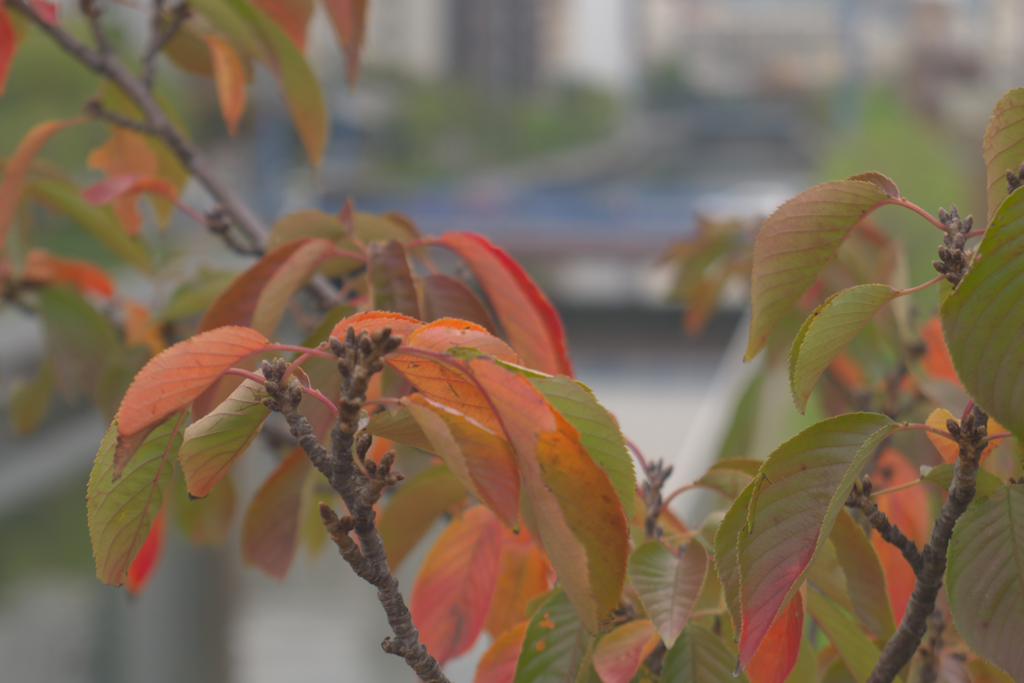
[1003, 146]
[121, 511]
[828, 330]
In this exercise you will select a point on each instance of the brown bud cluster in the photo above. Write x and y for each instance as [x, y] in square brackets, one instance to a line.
[1014, 180]
[953, 258]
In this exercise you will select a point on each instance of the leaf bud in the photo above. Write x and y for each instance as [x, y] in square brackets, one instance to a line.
[958, 241]
[943, 216]
[940, 266]
[943, 253]
[953, 427]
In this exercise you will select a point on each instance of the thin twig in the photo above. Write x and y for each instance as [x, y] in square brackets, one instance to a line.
[860, 498]
[159, 37]
[359, 484]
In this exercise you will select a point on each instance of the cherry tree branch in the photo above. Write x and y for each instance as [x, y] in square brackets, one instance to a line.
[154, 122]
[359, 481]
[904, 642]
[860, 498]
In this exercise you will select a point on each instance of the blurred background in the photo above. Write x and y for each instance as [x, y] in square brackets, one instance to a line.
[585, 136]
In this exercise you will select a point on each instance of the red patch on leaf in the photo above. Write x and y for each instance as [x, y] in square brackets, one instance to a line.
[777, 654]
[142, 567]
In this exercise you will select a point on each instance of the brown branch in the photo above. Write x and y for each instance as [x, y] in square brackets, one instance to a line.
[931, 653]
[360, 483]
[106, 64]
[904, 641]
[860, 498]
[657, 473]
[160, 34]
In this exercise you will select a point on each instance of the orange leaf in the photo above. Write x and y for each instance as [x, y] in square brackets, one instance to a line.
[142, 567]
[401, 325]
[619, 654]
[140, 329]
[349, 19]
[125, 153]
[522, 576]
[936, 361]
[292, 16]
[128, 185]
[498, 665]
[42, 267]
[482, 460]
[949, 450]
[531, 324]
[909, 510]
[270, 531]
[229, 76]
[260, 294]
[12, 184]
[173, 379]
[447, 333]
[456, 582]
[573, 504]
[8, 41]
[777, 654]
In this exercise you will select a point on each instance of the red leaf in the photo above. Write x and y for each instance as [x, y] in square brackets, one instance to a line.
[936, 361]
[127, 185]
[349, 19]
[619, 654]
[456, 582]
[47, 11]
[229, 75]
[531, 324]
[447, 297]
[42, 267]
[522, 576]
[259, 295]
[777, 654]
[12, 184]
[8, 41]
[141, 569]
[292, 16]
[909, 510]
[270, 531]
[173, 379]
[125, 153]
[401, 325]
[498, 665]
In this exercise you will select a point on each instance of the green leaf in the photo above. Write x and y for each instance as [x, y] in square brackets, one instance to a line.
[667, 585]
[985, 578]
[400, 427]
[727, 559]
[213, 443]
[79, 339]
[729, 477]
[121, 511]
[865, 579]
[99, 221]
[310, 223]
[301, 89]
[797, 241]
[390, 278]
[555, 645]
[700, 657]
[828, 330]
[195, 295]
[370, 227]
[204, 521]
[942, 476]
[414, 507]
[235, 25]
[599, 432]
[30, 401]
[982, 319]
[806, 669]
[798, 495]
[858, 653]
[1003, 146]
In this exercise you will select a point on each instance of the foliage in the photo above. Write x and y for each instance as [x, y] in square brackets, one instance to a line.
[575, 571]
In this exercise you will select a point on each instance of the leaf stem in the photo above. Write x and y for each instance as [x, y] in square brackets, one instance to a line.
[975, 233]
[639, 457]
[921, 212]
[997, 436]
[918, 288]
[909, 426]
[896, 488]
[682, 489]
[307, 391]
